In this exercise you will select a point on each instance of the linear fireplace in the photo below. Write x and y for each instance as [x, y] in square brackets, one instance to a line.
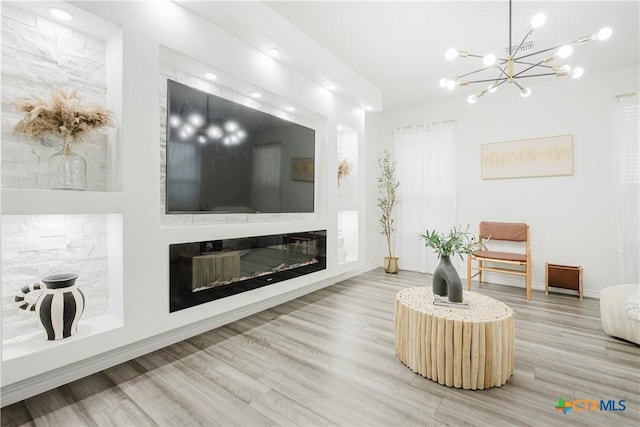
[212, 269]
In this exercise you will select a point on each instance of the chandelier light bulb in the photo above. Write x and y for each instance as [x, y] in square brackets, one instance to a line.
[564, 51]
[202, 139]
[489, 60]
[492, 88]
[604, 33]
[451, 54]
[214, 132]
[525, 92]
[472, 99]
[538, 20]
[196, 119]
[231, 126]
[188, 129]
[577, 73]
[443, 82]
[451, 85]
[174, 121]
[566, 68]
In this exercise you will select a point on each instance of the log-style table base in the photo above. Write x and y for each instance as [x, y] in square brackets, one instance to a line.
[463, 348]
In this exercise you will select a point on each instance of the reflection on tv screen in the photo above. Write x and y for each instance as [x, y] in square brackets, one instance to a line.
[224, 157]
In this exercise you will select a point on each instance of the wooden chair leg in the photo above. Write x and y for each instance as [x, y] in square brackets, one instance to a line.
[479, 271]
[468, 272]
[528, 282]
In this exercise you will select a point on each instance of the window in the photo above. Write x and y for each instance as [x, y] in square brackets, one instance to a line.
[427, 194]
[626, 149]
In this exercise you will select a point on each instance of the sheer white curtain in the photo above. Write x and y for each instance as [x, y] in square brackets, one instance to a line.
[627, 182]
[265, 181]
[426, 170]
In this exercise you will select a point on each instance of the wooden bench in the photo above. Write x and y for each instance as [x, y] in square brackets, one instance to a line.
[501, 231]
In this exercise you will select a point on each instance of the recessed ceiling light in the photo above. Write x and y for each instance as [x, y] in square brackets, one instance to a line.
[330, 86]
[256, 95]
[210, 76]
[290, 109]
[273, 52]
[60, 14]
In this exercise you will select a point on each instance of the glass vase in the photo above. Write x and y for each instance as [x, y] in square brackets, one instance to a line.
[68, 171]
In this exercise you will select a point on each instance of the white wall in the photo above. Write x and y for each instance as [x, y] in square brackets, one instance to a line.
[572, 218]
[148, 29]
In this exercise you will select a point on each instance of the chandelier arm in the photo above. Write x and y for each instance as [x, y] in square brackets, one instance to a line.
[536, 53]
[520, 45]
[527, 69]
[546, 50]
[534, 75]
[489, 80]
[539, 64]
[502, 71]
[516, 83]
[472, 72]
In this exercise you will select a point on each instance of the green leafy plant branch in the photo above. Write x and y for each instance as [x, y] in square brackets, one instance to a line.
[456, 241]
[387, 195]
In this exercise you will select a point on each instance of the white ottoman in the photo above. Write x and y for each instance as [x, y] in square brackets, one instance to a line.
[620, 311]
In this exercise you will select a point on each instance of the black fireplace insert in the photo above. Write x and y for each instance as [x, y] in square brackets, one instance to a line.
[212, 269]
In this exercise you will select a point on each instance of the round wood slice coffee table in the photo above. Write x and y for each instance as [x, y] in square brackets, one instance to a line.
[468, 348]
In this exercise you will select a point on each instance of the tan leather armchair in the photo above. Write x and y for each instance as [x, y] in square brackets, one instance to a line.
[501, 262]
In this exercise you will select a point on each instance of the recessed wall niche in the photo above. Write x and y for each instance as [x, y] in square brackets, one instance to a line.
[348, 182]
[40, 55]
[188, 71]
[34, 246]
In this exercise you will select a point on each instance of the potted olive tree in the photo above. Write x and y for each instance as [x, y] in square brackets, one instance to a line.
[446, 281]
[387, 201]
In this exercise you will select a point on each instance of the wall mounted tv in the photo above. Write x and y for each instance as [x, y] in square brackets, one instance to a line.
[224, 157]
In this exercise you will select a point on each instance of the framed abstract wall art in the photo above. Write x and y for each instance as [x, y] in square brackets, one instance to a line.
[548, 156]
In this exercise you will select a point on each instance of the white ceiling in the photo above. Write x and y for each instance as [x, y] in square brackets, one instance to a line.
[399, 46]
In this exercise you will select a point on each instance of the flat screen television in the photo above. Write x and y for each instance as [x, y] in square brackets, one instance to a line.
[224, 157]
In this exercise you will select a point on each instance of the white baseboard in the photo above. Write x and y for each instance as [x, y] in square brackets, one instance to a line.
[24, 389]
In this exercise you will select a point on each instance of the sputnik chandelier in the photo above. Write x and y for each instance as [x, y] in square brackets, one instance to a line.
[517, 65]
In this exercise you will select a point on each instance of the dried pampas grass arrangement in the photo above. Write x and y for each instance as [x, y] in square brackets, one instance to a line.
[62, 115]
[344, 169]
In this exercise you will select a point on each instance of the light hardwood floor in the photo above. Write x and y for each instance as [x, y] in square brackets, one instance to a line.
[328, 359]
